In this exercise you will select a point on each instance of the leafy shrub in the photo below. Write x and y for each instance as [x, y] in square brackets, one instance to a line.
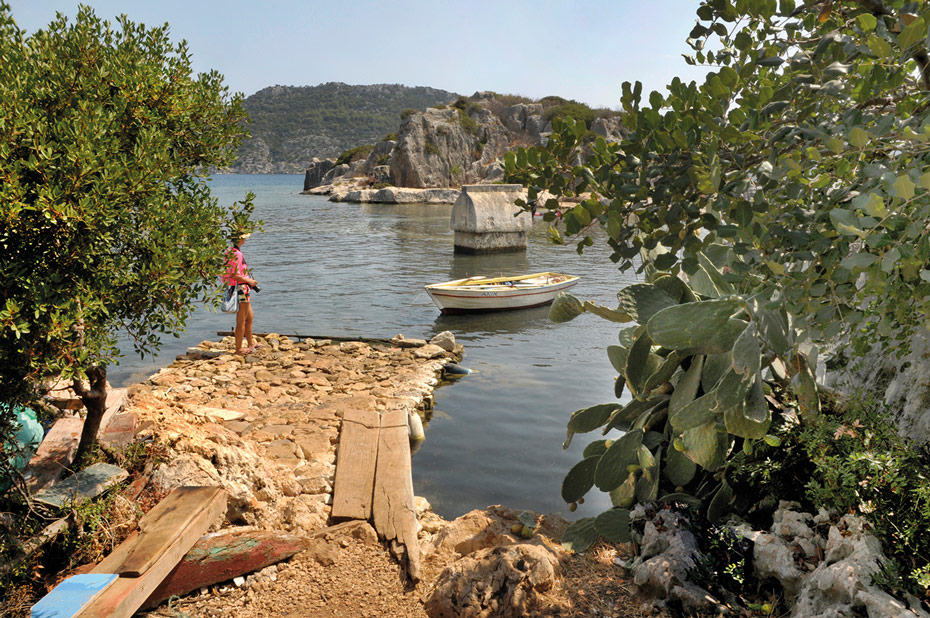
[468, 123]
[390, 137]
[467, 106]
[354, 154]
[513, 99]
[553, 100]
[407, 113]
[431, 148]
[862, 466]
[383, 159]
[575, 110]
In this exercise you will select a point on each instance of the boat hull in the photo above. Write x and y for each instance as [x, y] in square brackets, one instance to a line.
[455, 297]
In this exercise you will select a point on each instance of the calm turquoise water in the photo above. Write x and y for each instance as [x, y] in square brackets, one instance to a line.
[359, 270]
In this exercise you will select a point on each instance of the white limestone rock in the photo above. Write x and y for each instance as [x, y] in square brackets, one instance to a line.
[445, 340]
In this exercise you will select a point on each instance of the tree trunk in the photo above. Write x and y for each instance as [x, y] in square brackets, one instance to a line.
[95, 402]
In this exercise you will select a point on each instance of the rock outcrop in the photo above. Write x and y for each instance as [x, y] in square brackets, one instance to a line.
[316, 171]
[902, 383]
[447, 147]
[819, 574]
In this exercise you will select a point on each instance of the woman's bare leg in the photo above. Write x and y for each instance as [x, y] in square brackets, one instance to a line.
[244, 310]
[248, 326]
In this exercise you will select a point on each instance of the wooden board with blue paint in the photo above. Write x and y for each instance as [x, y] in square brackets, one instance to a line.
[223, 556]
[71, 595]
[124, 596]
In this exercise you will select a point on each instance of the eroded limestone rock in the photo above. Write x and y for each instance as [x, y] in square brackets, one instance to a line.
[500, 581]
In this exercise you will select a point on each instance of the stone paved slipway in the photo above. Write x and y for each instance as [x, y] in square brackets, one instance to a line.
[265, 426]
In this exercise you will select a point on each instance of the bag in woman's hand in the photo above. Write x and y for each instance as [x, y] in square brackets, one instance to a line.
[230, 300]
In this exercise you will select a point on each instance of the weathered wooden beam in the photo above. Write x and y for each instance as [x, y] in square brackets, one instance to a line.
[355, 465]
[222, 556]
[55, 454]
[126, 594]
[103, 593]
[161, 526]
[393, 512]
[390, 342]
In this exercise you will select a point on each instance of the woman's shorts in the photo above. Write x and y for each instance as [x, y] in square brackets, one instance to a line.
[243, 292]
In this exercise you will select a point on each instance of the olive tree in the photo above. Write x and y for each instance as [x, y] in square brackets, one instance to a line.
[791, 187]
[106, 223]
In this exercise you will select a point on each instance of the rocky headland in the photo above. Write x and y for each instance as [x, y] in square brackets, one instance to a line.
[438, 150]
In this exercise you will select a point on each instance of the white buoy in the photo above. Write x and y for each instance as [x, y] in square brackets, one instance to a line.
[415, 426]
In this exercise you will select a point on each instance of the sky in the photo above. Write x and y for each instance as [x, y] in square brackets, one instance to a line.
[577, 49]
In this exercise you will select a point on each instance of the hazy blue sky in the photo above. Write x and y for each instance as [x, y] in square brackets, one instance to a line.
[579, 50]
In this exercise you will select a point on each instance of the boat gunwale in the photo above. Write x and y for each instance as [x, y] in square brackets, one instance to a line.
[481, 282]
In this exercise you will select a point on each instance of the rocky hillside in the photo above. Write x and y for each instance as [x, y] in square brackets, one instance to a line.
[291, 125]
[457, 144]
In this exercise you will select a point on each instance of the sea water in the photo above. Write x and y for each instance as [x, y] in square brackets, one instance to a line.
[341, 269]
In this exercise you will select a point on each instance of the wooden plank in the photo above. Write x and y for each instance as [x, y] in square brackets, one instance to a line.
[376, 340]
[355, 465]
[116, 398]
[222, 556]
[88, 483]
[393, 511]
[55, 454]
[125, 595]
[120, 431]
[162, 525]
[71, 595]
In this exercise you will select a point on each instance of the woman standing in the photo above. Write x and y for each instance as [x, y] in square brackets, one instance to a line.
[237, 273]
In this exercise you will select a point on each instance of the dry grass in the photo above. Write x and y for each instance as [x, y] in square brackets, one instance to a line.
[593, 584]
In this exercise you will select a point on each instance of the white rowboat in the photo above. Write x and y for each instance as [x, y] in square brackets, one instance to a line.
[483, 293]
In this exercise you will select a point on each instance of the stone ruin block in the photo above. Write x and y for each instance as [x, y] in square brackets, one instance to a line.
[486, 220]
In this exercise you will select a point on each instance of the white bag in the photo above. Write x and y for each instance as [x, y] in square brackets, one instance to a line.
[230, 300]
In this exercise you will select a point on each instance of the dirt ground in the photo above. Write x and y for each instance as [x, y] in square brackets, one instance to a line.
[350, 577]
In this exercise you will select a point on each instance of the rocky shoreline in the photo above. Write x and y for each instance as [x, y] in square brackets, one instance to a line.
[265, 427]
[359, 193]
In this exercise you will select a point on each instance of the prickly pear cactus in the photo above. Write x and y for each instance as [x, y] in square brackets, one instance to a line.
[695, 363]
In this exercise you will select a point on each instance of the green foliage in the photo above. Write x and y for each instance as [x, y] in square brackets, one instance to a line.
[467, 106]
[468, 123]
[862, 466]
[289, 120]
[390, 137]
[354, 154]
[430, 148]
[805, 148]
[697, 367]
[106, 224]
[576, 111]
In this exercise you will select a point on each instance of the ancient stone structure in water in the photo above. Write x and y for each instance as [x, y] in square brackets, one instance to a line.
[486, 220]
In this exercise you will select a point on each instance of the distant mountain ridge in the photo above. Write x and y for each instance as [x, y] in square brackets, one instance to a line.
[293, 124]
